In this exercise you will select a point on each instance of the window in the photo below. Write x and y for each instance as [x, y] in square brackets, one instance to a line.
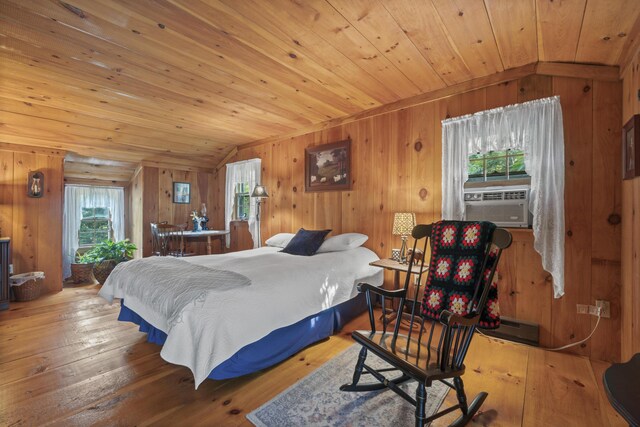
[242, 200]
[497, 165]
[95, 226]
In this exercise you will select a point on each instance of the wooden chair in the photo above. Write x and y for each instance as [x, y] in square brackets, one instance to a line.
[155, 240]
[168, 240]
[156, 243]
[426, 351]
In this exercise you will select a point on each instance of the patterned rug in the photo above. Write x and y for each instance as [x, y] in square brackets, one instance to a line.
[316, 400]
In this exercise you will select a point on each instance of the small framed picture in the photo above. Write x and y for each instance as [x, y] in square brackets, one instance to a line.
[328, 167]
[181, 192]
[631, 148]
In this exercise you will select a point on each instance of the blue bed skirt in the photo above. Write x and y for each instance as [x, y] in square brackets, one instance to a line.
[273, 348]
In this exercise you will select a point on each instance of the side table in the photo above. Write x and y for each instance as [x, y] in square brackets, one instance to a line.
[397, 268]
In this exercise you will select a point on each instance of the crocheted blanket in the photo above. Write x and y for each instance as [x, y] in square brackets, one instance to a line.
[457, 253]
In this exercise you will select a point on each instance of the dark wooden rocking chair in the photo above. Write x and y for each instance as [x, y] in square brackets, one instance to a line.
[418, 353]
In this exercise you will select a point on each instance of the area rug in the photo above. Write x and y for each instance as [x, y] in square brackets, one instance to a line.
[316, 400]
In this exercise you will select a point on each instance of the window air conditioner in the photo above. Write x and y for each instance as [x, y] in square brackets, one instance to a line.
[504, 206]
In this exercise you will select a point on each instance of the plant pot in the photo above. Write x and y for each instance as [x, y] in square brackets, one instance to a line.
[102, 270]
[82, 273]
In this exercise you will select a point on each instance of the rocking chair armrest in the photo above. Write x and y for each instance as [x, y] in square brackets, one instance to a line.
[397, 293]
[447, 318]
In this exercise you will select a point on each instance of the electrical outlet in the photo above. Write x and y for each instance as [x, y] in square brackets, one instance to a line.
[605, 308]
[10, 268]
[582, 308]
[593, 310]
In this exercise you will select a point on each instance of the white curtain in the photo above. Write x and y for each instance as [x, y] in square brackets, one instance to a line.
[536, 128]
[77, 197]
[247, 171]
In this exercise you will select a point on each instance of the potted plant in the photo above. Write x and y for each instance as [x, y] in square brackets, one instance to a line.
[82, 269]
[107, 254]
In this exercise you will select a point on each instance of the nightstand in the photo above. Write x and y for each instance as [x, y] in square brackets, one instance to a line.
[397, 268]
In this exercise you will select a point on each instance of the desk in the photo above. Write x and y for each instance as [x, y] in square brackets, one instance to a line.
[209, 234]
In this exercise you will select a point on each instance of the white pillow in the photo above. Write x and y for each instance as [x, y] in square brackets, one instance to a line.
[343, 242]
[279, 240]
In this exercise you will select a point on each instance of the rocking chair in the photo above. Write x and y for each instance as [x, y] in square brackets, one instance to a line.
[419, 353]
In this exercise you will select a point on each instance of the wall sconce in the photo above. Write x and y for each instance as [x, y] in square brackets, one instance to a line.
[35, 184]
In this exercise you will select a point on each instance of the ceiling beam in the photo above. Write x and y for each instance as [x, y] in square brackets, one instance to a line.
[596, 72]
[582, 71]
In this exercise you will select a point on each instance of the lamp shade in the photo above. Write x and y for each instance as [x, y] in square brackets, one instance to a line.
[260, 191]
[403, 223]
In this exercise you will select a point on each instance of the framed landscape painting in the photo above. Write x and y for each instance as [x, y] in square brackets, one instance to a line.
[181, 192]
[328, 167]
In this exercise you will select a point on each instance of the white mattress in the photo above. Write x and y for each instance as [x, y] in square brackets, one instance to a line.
[284, 289]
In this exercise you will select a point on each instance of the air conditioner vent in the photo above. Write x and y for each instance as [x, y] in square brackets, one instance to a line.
[506, 206]
[515, 195]
[492, 196]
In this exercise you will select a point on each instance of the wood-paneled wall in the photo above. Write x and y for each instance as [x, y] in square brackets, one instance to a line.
[34, 225]
[397, 167]
[631, 225]
[134, 207]
[150, 195]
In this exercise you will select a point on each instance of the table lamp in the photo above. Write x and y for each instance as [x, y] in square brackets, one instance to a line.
[403, 223]
[259, 192]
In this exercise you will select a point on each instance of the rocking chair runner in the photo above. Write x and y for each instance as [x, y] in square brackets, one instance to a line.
[418, 353]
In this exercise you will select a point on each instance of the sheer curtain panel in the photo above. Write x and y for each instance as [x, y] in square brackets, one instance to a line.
[247, 172]
[534, 127]
[77, 197]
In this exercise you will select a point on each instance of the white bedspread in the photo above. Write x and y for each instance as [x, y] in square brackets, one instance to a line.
[284, 289]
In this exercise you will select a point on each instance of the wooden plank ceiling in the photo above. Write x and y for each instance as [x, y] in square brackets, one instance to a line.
[180, 82]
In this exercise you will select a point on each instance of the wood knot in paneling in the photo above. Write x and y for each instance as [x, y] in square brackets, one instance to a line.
[417, 146]
[278, 184]
[423, 193]
[614, 219]
[295, 189]
[73, 9]
[569, 233]
[586, 89]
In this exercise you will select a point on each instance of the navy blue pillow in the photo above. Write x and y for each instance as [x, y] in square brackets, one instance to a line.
[306, 242]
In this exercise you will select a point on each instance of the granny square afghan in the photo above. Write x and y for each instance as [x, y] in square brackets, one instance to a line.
[458, 250]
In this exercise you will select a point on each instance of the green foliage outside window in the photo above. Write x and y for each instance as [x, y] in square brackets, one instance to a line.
[242, 200]
[95, 226]
[497, 165]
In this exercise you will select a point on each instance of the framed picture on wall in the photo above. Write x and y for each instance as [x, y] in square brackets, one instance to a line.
[631, 148]
[182, 192]
[328, 167]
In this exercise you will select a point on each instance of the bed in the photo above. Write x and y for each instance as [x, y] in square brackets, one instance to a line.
[232, 314]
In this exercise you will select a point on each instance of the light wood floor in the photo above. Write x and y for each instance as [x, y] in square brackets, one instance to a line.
[66, 360]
